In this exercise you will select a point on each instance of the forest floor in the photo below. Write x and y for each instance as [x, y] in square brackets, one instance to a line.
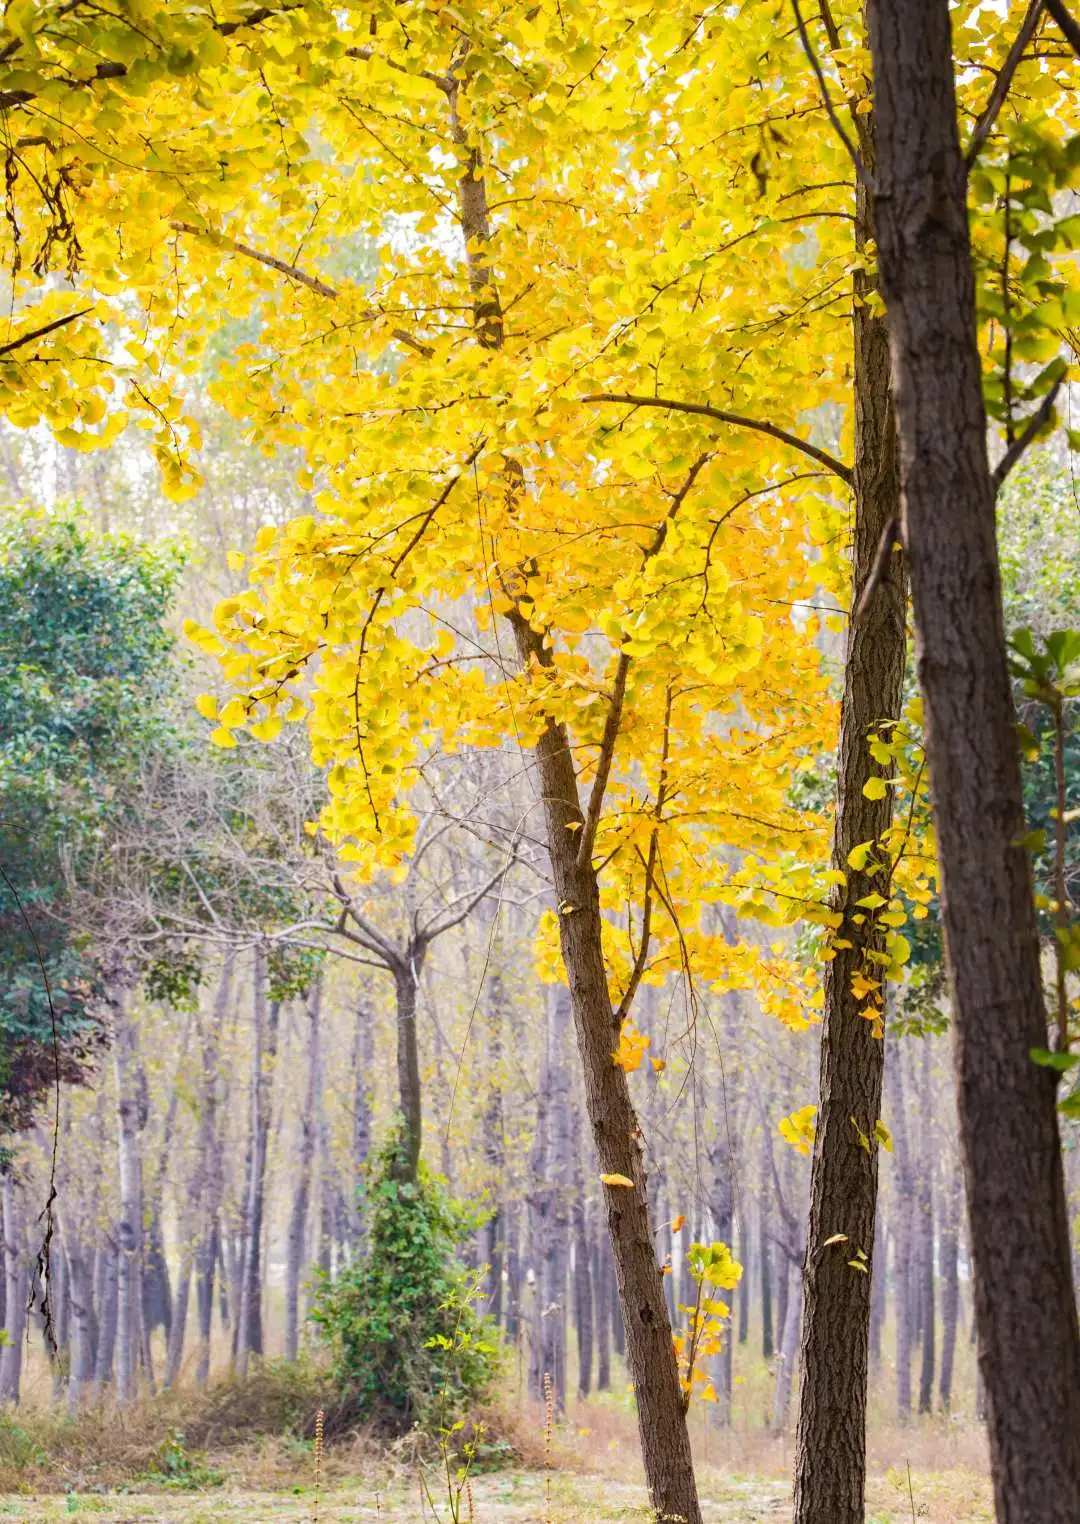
[508, 1497]
[236, 1455]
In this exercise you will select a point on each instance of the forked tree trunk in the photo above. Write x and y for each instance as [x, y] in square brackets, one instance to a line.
[1029, 1342]
[830, 1460]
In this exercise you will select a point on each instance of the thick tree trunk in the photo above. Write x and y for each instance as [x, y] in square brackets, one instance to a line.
[830, 1460]
[11, 1354]
[1029, 1341]
[296, 1244]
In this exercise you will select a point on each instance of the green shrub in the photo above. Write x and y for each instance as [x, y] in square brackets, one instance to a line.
[410, 1346]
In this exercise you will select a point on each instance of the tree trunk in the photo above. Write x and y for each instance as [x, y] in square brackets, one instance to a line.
[665, 1441]
[11, 1354]
[494, 1145]
[210, 1172]
[1029, 1341]
[830, 1459]
[265, 1024]
[296, 1246]
[927, 1312]
[722, 1204]
[583, 1290]
[81, 1368]
[410, 1105]
[789, 1348]
[602, 1309]
[129, 1229]
[105, 1289]
[363, 1066]
[950, 1284]
[903, 1235]
[765, 1258]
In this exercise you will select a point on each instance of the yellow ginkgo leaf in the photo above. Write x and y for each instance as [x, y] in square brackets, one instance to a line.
[617, 1180]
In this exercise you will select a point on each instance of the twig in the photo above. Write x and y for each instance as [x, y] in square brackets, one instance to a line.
[998, 95]
[826, 99]
[1038, 421]
[736, 420]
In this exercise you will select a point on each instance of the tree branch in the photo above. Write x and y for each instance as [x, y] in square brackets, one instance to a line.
[312, 282]
[603, 765]
[826, 99]
[736, 420]
[1066, 23]
[39, 333]
[435, 928]
[1035, 424]
[998, 95]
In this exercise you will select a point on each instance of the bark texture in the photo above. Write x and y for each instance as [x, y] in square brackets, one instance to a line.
[830, 1463]
[1029, 1344]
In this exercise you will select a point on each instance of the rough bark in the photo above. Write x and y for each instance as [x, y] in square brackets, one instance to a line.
[1029, 1341]
[830, 1461]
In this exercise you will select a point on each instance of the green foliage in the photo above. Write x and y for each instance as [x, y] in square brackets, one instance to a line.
[83, 672]
[176, 1467]
[410, 1347]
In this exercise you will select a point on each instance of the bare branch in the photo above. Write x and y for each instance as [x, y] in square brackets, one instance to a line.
[1035, 424]
[999, 94]
[735, 420]
[435, 928]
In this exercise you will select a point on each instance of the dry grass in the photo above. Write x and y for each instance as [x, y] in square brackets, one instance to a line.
[247, 1454]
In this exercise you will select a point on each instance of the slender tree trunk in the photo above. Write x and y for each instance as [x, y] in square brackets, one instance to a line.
[830, 1459]
[665, 1441]
[602, 1309]
[765, 1259]
[927, 1312]
[129, 1229]
[406, 986]
[494, 1145]
[903, 1235]
[296, 1246]
[11, 1354]
[950, 1284]
[1029, 1342]
[583, 1288]
[210, 1172]
[81, 1368]
[722, 1203]
[363, 1066]
[789, 1348]
[265, 1023]
[105, 1291]
[746, 1259]
[879, 1289]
